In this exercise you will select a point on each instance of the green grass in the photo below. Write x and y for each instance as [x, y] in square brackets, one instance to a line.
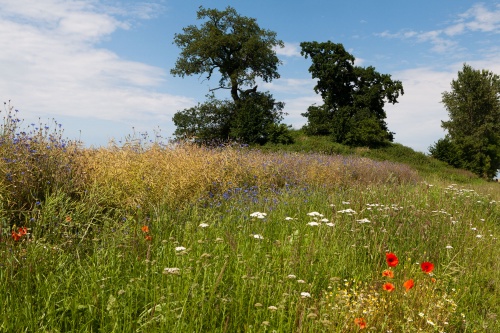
[206, 264]
[426, 165]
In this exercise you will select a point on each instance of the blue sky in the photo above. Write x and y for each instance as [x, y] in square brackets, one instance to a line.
[102, 67]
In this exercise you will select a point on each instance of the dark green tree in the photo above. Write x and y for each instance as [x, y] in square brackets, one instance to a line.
[354, 97]
[240, 51]
[473, 138]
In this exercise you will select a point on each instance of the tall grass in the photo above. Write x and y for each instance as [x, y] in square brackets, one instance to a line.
[156, 238]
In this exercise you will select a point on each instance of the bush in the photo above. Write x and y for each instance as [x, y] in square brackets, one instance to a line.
[35, 162]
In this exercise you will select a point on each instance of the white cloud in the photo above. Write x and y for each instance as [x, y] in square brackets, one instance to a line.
[290, 50]
[52, 64]
[477, 18]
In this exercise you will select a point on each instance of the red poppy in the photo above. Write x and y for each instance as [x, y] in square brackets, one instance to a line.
[388, 273]
[360, 322]
[148, 237]
[408, 284]
[388, 286]
[22, 231]
[427, 267]
[16, 236]
[145, 228]
[392, 260]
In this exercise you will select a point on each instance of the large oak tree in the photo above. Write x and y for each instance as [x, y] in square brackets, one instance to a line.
[236, 48]
[354, 97]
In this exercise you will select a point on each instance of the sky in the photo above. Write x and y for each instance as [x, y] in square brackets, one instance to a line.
[101, 68]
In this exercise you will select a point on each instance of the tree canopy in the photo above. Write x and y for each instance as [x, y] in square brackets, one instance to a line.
[240, 51]
[354, 97]
[473, 138]
[233, 45]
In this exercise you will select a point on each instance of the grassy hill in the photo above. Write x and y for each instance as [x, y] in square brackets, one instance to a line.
[424, 164]
[311, 237]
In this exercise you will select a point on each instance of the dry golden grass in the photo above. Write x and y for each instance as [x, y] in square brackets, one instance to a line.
[177, 176]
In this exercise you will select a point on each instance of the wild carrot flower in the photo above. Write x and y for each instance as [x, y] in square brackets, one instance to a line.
[388, 273]
[427, 267]
[305, 294]
[145, 228]
[388, 287]
[360, 322]
[392, 259]
[408, 284]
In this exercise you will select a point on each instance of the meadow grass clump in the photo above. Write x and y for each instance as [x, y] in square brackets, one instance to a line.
[36, 161]
[184, 174]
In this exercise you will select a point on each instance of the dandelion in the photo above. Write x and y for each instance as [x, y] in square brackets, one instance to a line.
[305, 294]
[388, 287]
[180, 248]
[392, 259]
[145, 229]
[388, 273]
[360, 322]
[408, 284]
[427, 267]
[313, 224]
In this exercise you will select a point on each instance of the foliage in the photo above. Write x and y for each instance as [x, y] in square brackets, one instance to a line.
[209, 121]
[354, 97]
[473, 138]
[447, 151]
[240, 51]
[255, 119]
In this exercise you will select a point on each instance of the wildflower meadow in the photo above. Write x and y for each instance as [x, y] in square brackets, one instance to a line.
[152, 236]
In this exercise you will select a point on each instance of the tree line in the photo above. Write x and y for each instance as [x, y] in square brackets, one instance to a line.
[237, 51]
